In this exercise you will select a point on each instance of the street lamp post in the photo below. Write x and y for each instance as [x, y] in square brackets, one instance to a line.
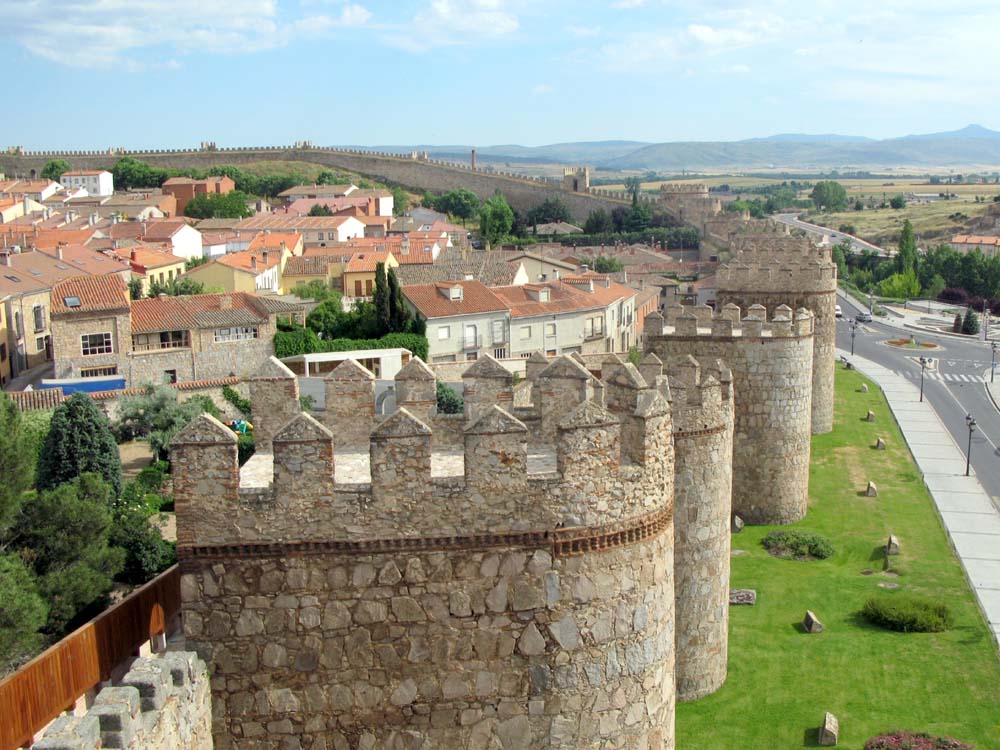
[854, 329]
[993, 363]
[923, 366]
[971, 423]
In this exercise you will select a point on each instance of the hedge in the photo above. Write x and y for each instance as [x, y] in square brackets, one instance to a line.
[305, 341]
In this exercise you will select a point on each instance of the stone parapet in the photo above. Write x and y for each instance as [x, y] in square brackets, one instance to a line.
[163, 702]
[771, 364]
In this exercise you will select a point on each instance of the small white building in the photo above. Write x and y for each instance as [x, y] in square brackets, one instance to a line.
[97, 182]
[464, 320]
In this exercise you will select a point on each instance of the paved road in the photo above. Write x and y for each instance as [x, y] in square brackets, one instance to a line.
[955, 386]
[857, 245]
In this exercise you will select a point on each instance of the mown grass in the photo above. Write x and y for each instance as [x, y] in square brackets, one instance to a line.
[781, 679]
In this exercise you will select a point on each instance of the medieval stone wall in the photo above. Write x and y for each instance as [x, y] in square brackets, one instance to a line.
[776, 269]
[772, 383]
[162, 703]
[498, 608]
[522, 193]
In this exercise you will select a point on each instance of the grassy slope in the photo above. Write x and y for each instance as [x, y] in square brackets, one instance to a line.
[781, 680]
[882, 226]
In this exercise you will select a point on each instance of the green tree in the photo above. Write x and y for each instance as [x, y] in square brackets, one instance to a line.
[380, 298]
[400, 201]
[54, 169]
[900, 285]
[320, 209]
[23, 612]
[64, 533]
[231, 205]
[599, 222]
[399, 314]
[461, 203]
[327, 177]
[146, 554]
[16, 463]
[448, 400]
[495, 218]
[970, 323]
[603, 264]
[316, 290]
[638, 218]
[935, 287]
[906, 252]
[897, 202]
[840, 253]
[79, 441]
[156, 415]
[176, 287]
[633, 186]
[549, 210]
[829, 196]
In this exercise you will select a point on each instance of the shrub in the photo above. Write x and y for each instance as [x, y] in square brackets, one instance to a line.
[798, 543]
[954, 294]
[245, 447]
[448, 400]
[970, 324]
[243, 405]
[146, 553]
[977, 303]
[903, 740]
[907, 613]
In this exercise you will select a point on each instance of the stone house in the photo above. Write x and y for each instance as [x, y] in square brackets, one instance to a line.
[98, 331]
[259, 268]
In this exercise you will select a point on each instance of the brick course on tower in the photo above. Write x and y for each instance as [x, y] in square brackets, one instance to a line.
[771, 364]
[525, 600]
[772, 269]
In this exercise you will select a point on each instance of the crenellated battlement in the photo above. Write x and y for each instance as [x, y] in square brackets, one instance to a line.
[729, 323]
[588, 464]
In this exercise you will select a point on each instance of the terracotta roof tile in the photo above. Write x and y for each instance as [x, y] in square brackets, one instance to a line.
[432, 300]
[92, 293]
[366, 261]
[315, 265]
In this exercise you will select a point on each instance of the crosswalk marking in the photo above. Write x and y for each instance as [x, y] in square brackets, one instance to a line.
[945, 377]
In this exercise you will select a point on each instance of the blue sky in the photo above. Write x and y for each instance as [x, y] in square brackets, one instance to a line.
[159, 73]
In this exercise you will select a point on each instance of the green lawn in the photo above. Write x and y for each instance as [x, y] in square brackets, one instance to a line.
[781, 680]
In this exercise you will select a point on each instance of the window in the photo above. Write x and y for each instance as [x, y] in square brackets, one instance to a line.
[18, 324]
[95, 343]
[444, 333]
[38, 313]
[3, 352]
[525, 332]
[39, 343]
[550, 329]
[98, 372]
[500, 354]
[319, 236]
[144, 342]
[243, 333]
[169, 376]
[498, 331]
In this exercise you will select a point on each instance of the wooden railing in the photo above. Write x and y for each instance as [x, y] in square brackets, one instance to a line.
[52, 682]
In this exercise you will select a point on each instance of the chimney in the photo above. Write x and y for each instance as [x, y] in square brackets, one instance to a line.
[7, 261]
[59, 250]
[225, 302]
[132, 255]
[253, 263]
[371, 206]
[27, 205]
[143, 229]
[473, 160]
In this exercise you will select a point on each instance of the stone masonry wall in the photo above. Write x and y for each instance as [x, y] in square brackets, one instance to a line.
[496, 610]
[162, 703]
[777, 269]
[772, 384]
[702, 408]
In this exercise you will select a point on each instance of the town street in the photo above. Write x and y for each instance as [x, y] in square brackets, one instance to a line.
[955, 384]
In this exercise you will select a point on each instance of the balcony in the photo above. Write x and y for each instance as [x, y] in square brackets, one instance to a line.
[472, 342]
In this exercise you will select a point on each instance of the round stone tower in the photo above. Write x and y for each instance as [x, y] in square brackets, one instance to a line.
[771, 365]
[517, 596]
[777, 269]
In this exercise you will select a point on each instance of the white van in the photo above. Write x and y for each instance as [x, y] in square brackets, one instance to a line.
[838, 312]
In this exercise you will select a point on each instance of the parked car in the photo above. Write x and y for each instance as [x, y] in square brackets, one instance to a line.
[863, 317]
[838, 312]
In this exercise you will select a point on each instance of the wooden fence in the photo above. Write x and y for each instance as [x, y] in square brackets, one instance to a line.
[53, 681]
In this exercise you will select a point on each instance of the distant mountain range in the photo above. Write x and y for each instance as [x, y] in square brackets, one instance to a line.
[973, 145]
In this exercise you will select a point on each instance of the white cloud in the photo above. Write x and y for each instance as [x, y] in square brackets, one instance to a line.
[454, 22]
[136, 33]
[542, 88]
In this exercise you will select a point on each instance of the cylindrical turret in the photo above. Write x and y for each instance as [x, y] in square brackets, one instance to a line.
[778, 269]
[771, 363]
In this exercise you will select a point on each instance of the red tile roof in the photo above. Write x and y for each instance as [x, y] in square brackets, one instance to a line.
[95, 294]
[274, 240]
[366, 261]
[563, 297]
[432, 300]
[198, 311]
[314, 265]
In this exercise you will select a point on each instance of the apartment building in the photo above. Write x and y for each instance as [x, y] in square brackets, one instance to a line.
[464, 319]
[97, 182]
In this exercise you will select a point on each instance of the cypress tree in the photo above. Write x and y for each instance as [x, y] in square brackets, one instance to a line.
[381, 299]
[399, 315]
[79, 440]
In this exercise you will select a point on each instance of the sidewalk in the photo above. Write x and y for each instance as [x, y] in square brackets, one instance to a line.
[968, 514]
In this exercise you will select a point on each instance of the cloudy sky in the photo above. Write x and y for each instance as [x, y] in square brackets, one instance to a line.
[148, 73]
